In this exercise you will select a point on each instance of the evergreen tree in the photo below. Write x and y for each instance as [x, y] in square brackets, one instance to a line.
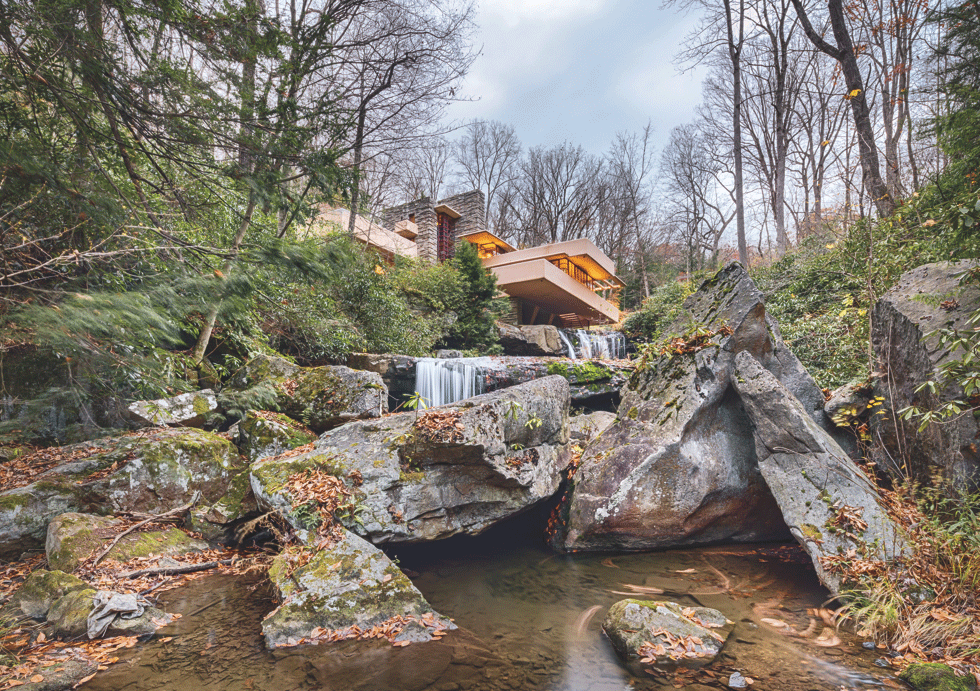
[474, 327]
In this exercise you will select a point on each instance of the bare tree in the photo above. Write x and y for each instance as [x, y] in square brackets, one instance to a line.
[488, 155]
[845, 54]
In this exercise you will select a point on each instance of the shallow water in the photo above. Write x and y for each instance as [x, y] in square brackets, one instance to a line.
[529, 619]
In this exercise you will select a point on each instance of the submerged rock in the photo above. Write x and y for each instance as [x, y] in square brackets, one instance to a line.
[74, 537]
[932, 676]
[432, 474]
[147, 472]
[666, 632]
[68, 617]
[830, 506]
[321, 397]
[925, 299]
[679, 467]
[351, 583]
[186, 410]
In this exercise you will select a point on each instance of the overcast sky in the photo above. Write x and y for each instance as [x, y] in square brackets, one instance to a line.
[580, 70]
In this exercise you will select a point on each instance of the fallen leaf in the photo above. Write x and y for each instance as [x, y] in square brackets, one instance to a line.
[37, 678]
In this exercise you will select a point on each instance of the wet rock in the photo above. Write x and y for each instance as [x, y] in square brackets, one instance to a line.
[42, 588]
[397, 371]
[737, 681]
[68, 617]
[925, 299]
[447, 354]
[262, 434]
[531, 340]
[830, 506]
[148, 472]
[679, 467]
[186, 410]
[631, 624]
[585, 428]
[449, 470]
[74, 537]
[321, 397]
[932, 676]
[351, 583]
[61, 675]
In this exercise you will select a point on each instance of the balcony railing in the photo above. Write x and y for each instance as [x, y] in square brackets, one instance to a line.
[574, 271]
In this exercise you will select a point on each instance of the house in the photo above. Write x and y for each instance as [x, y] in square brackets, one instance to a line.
[385, 242]
[569, 284]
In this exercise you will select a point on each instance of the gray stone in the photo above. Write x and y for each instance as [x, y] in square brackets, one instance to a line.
[68, 618]
[447, 354]
[351, 583]
[924, 300]
[630, 624]
[262, 434]
[321, 397]
[848, 404]
[42, 588]
[585, 428]
[679, 466]
[74, 537]
[537, 339]
[149, 472]
[186, 410]
[432, 474]
[830, 506]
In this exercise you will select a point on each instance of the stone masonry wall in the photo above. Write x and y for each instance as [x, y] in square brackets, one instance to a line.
[425, 219]
[470, 206]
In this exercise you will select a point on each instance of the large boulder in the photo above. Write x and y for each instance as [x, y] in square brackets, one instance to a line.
[432, 474]
[585, 428]
[351, 583]
[184, 410]
[321, 397]
[74, 537]
[679, 466]
[537, 339]
[149, 472]
[830, 506]
[666, 633]
[924, 300]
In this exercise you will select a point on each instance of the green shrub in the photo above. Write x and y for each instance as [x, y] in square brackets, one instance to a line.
[660, 309]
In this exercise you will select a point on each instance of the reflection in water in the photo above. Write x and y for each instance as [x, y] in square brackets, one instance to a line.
[530, 620]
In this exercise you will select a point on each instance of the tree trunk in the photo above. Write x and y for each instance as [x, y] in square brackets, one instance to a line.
[355, 192]
[735, 55]
[844, 54]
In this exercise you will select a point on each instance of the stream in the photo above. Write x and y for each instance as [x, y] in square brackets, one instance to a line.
[529, 619]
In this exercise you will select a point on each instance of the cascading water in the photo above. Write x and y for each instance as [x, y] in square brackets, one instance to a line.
[442, 381]
[568, 344]
[605, 345]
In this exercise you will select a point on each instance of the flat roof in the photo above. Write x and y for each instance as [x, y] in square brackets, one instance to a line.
[369, 233]
[581, 252]
[448, 210]
[485, 237]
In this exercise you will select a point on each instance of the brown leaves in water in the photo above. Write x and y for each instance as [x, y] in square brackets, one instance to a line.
[389, 629]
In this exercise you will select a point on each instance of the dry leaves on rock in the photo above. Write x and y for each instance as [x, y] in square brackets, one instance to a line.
[441, 426]
[389, 629]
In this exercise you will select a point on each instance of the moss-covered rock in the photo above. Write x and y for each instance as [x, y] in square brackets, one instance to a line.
[213, 520]
[349, 584]
[321, 397]
[630, 624]
[146, 471]
[42, 588]
[68, 617]
[185, 410]
[60, 675]
[74, 537]
[456, 469]
[262, 434]
[932, 676]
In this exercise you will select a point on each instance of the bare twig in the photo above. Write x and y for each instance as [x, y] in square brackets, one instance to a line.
[175, 570]
[167, 514]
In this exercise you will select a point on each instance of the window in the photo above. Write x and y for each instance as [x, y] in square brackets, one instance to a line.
[446, 235]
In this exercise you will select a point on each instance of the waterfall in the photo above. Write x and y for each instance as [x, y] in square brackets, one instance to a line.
[568, 344]
[443, 381]
[605, 345]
